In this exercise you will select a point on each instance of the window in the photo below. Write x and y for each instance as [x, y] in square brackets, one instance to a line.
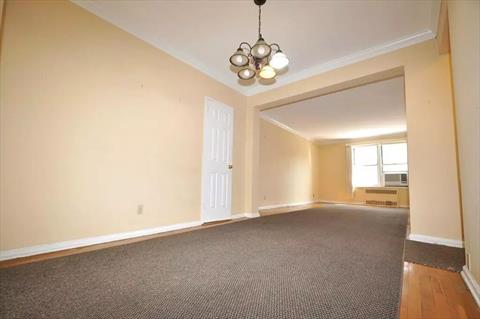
[371, 162]
[394, 158]
[365, 166]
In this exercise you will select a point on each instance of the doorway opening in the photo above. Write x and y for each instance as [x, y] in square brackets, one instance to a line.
[348, 146]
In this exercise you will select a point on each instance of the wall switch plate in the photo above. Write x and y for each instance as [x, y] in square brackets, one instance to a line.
[140, 209]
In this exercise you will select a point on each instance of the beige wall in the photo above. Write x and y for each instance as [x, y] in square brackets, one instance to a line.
[434, 193]
[332, 169]
[464, 20]
[2, 5]
[294, 170]
[95, 122]
[89, 129]
[286, 172]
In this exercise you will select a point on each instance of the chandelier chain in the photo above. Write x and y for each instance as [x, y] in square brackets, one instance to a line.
[262, 60]
[259, 21]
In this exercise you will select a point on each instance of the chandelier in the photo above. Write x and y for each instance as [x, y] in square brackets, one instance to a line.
[262, 58]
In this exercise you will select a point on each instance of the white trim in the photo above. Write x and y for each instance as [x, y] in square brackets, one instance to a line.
[239, 215]
[48, 248]
[265, 117]
[285, 205]
[252, 215]
[226, 79]
[361, 140]
[471, 283]
[391, 138]
[436, 240]
[345, 60]
[231, 81]
[435, 17]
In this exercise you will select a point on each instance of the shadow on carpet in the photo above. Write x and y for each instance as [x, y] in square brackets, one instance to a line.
[437, 256]
[331, 262]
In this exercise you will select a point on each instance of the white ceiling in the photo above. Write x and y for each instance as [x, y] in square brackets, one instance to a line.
[317, 35]
[376, 109]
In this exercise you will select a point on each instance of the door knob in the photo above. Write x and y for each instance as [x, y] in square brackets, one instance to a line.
[230, 166]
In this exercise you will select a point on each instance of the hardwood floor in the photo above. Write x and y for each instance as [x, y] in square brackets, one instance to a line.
[430, 293]
[427, 293]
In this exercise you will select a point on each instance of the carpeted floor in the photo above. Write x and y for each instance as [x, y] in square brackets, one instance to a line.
[438, 256]
[330, 262]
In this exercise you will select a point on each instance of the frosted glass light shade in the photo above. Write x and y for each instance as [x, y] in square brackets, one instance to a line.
[261, 49]
[246, 74]
[279, 60]
[267, 72]
[239, 58]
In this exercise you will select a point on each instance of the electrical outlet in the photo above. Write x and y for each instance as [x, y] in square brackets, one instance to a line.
[140, 209]
[264, 197]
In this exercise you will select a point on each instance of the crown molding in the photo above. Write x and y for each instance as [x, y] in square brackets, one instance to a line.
[229, 81]
[232, 82]
[324, 142]
[398, 136]
[344, 61]
[287, 128]
[435, 17]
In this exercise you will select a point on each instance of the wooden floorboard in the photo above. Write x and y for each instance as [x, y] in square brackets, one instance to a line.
[430, 293]
[427, 293]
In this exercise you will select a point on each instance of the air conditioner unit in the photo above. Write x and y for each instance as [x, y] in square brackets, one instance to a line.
[396, 179]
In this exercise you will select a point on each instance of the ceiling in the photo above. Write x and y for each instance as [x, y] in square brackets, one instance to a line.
[317, 35]
[376, 109]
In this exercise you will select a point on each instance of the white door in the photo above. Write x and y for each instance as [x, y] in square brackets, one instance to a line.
[217, 161]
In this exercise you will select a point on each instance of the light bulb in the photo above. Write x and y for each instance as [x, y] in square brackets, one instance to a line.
[267, 72]
[239, 58]
[279, 60]
[246, 74]
[261, 49]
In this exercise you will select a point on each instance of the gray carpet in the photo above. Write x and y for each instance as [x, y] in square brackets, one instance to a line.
[438, 256]
[331, 262]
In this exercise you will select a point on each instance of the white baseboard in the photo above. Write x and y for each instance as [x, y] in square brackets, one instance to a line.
[436, 240]
[41, 249]
[471, 283]
[285, 205]
[243, 215]
[48, 248]
[237, 216]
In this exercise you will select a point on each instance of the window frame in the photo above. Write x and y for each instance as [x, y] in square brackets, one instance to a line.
[381, 156]
[380, 171]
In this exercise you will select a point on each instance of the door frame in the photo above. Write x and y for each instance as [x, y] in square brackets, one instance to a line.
[203, 217]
